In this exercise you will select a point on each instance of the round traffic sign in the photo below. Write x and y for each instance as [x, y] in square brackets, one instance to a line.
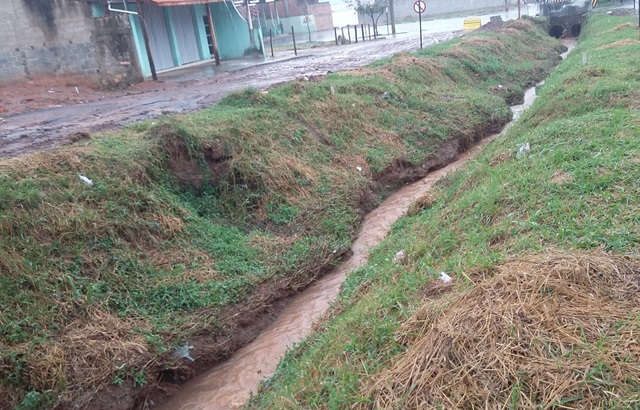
[419, 6]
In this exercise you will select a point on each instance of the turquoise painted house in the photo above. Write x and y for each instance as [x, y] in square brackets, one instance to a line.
[180, 33]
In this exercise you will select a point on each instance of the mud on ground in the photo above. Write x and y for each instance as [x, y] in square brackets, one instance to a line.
[37, 119]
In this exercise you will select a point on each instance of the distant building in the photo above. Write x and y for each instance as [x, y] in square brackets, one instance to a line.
[281, 15]
[60, 39]
[403, 9]
[103, 43]
[179, 31]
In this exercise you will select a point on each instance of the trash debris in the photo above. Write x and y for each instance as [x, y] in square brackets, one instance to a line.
[385, 96]
[2, 120]
[359, 169]
[85, 180]
[398, 257]
[524, 148]
[182, 352]
[445, 278]
[333, 90]
[77, 91]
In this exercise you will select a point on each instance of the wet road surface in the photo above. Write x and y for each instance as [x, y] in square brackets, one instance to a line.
[37, 130]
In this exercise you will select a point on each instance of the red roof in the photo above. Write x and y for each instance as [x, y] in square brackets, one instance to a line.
[164, 3]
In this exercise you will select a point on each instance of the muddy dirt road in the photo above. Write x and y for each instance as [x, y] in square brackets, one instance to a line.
[43, 129]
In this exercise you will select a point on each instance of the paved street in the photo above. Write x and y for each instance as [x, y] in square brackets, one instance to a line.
[199, 86]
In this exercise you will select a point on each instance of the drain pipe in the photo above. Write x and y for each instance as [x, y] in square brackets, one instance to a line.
[145, 35]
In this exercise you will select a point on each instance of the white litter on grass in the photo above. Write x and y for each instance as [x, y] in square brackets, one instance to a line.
[182, 352]
[398, 257]
[333, 90]
[85, 180]
[524, 148]
[445, 278]
[359, 169]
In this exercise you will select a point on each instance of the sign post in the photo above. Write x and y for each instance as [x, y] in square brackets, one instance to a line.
[419, 7]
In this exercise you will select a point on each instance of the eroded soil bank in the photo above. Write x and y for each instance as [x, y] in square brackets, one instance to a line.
[192, 231]
[43, 116]
[230, 384]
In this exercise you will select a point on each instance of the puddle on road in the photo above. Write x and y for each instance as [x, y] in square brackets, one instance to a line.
[228, 385]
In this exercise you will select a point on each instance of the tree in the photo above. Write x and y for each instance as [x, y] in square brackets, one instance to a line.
[372, 8]
[307, 16]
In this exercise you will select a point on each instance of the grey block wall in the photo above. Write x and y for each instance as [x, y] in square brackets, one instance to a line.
[60, 39]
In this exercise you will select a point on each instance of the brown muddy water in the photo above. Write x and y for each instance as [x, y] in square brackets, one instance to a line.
[229, 384]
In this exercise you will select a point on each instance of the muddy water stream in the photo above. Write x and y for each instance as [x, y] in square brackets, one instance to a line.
[228, 385]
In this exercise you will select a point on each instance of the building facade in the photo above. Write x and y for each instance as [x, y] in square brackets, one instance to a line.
[102, 43]
[61, 39]
[280, 16]
[179, 30]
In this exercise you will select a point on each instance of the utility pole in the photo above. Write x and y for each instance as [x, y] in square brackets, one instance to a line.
[518, 8]
[392, 17]
[214, 42]
[250, 23]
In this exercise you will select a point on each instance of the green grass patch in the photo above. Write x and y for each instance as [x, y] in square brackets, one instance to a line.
[575, 190]
[191, 216]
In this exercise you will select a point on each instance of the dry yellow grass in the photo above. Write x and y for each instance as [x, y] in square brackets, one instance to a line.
[85, 355]
[621, 43]
[555, 331]
[619, 27]
[561, 177]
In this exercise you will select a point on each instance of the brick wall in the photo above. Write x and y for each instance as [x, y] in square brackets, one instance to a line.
[60, 39]
[321, 11]
[323, 17]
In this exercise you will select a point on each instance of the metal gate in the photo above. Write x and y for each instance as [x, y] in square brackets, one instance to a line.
[158, 36]
[182, 19]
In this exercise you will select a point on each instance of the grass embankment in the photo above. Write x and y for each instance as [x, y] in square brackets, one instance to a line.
[196, 225]
[556, 327]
